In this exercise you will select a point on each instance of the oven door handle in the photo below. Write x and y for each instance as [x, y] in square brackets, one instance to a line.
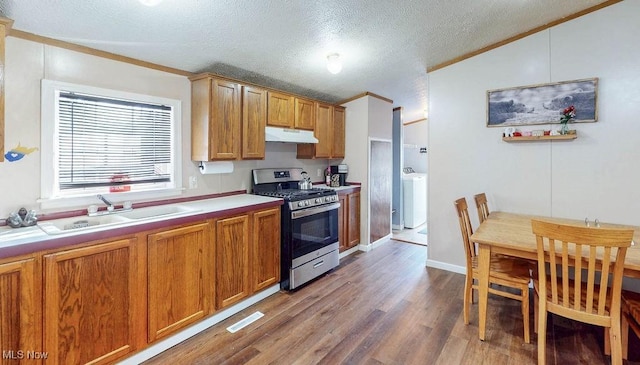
[311, 211]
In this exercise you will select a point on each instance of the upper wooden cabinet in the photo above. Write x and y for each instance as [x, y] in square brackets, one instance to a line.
[338, 133]
[287, 111]
[305, 117]
[329, 130]
[89, 301]
[215, 119]
[5, 25]
[281, 110]
[254, 115]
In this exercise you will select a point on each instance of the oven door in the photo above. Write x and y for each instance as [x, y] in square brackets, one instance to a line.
[313, 229]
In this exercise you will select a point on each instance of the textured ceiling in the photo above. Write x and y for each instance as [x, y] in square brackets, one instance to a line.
[386, 46]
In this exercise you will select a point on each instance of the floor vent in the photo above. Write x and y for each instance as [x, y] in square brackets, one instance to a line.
[245, 322]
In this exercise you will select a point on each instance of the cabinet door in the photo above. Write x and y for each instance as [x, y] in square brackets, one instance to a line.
[232, 260]
[305, 117]
[176, 279]
[224, 131]
[254, 115]
[324, 119]
[265, 252]
[354, 219]
[88, 301]
[280, 110]
[200, 119]
[343, 222]
[338, 135]
[20, 309]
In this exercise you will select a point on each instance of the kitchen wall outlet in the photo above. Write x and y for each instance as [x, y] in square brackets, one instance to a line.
[319, 172]
[193, 182]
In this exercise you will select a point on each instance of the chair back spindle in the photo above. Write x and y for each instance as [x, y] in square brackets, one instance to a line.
[482, 205]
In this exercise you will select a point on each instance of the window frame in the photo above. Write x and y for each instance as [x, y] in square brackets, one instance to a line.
[50, 194]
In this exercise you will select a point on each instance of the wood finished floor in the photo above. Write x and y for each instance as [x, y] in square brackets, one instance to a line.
[385, 307]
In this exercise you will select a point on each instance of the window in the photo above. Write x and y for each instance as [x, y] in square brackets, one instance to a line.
[106, 141]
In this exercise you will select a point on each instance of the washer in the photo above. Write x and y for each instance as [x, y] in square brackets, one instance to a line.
[415, 199]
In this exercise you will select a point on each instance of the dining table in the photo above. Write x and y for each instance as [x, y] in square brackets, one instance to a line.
[511, 234]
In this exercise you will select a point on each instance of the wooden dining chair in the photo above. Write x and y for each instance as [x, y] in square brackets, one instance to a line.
[630, 318]
[482, 206]
[505, 272]
[560, 288]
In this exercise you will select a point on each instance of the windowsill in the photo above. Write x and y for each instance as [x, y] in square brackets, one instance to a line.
[116, 198]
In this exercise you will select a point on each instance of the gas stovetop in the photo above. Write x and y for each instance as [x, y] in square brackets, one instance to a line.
[297, 194]
[283, 183]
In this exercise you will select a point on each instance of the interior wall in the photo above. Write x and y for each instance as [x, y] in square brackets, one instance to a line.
[28, 62]
[356, 155]
[415, 137]
[592, 176]
[366, 117]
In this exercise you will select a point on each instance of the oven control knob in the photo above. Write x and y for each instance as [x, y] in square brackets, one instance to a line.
[306, 203]
[326, 199]
[300, 204]
[318, 200]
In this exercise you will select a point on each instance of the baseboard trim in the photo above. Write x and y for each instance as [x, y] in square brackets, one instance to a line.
[446, 266]
[185, 334]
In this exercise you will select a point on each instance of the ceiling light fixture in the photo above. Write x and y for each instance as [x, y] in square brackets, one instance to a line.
[334, 65]
[150, 2]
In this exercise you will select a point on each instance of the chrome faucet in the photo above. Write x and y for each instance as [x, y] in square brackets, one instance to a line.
[93, 211]
[106, 201]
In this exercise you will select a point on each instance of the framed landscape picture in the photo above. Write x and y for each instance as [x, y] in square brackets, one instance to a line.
[542, 104]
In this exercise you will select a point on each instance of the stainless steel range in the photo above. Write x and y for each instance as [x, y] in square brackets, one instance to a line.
[309, 225]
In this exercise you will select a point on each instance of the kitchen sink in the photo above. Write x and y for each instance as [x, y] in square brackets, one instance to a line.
[63, 225]
[157, 211]
[86, 223]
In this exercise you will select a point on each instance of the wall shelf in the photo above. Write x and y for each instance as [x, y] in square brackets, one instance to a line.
[565, 137]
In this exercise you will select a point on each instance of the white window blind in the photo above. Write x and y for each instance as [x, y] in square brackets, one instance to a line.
[103, 140]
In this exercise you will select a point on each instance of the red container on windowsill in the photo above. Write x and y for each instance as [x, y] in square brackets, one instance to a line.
[119, 188]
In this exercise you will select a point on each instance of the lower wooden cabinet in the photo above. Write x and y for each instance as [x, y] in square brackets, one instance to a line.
[178, 293]
[247, 255]
[107, 299]
[265, 249]
[232, 260]
[88, 303]
[349, 220]
[20, 311]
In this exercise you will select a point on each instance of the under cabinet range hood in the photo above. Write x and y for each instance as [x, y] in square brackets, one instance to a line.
[273, 134]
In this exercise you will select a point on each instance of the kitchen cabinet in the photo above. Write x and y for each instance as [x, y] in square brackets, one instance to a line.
[178, 268]
[89, 300]
[305, 116]
[232, 260]
[265, 249]
[102, 301]
[349, 220]
[330, 132]
[21, 311]
[215, 119]
[338, 133]
[353, 235]
[5, 26]
[254, 115]
[280, 109]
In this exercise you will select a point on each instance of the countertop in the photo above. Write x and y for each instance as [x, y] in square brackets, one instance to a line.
[25, 240]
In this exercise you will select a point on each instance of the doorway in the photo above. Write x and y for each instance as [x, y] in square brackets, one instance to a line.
[410, 177]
